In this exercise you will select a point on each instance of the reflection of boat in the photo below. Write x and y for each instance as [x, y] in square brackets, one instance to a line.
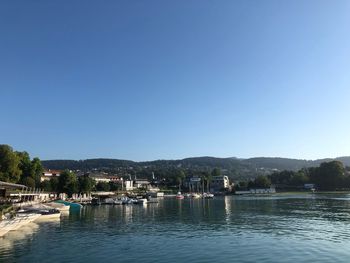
[152, 200]
[118, 202]
[142, 201]
[179, 196]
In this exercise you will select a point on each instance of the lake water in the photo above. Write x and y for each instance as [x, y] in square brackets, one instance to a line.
[279, 228]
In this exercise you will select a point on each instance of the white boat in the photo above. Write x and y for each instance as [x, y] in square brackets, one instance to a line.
[59, 206]
[21, 219]
[195, 195]
[208, 195]
[109, 201]
[46, 215]
[126, 200]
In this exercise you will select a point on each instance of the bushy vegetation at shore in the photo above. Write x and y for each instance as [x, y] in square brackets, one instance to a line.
[17, 167]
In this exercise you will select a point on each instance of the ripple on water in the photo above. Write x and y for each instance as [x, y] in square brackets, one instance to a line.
[274, 229]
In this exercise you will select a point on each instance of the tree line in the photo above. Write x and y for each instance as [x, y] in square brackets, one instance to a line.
[68, 182]
[17, 167]
[328, 176]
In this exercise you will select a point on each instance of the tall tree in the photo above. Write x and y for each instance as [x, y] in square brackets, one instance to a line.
[331, 175]
[262, 182]
[216, 172]
[67, 183]
[180, 175]
[37, 170]
[25, 166]
[85, 184]
[9, 165]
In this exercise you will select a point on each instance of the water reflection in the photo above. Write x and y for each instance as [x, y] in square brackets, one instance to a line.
[306, 227]
[227, 200]
[20, 235]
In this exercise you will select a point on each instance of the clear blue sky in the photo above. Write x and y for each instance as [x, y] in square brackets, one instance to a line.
[146, 80]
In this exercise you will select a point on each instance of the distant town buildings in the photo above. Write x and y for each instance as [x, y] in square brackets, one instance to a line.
[49, 174]
[103, 177]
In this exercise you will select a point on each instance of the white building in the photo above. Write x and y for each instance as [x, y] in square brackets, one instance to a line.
[49, 174]
[103, 177]
[142, 183]
[219, 183]
[129, 185]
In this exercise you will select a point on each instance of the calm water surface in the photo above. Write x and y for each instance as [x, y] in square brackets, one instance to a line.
[280, 228]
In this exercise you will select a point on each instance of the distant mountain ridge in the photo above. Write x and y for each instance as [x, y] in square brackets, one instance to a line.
[232, 164]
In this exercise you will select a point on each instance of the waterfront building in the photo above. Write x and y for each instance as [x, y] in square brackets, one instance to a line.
[129, 185]
[219, 183]
[193, 183]
[142, 183]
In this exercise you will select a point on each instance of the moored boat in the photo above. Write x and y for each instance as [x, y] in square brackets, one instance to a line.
[195, 195]
[208, 195]
[179, 196]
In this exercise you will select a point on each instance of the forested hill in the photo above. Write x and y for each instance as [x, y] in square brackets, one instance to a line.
[234, 165]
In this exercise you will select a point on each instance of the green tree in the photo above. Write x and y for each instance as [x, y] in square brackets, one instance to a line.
[54, 184]
[262, 182]
[114, 186]
[103, 186]
[37, 170]
[46, 185]
[85, 184]
[299, 178]
[180, 175]
[25, 166]
[29, 181]
[206, 177]
[67, 183]
[330, 176]
[216, 172]
[9, 165]
[30, 168]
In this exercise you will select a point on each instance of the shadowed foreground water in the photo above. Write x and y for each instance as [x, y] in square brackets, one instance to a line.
[281, 228]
